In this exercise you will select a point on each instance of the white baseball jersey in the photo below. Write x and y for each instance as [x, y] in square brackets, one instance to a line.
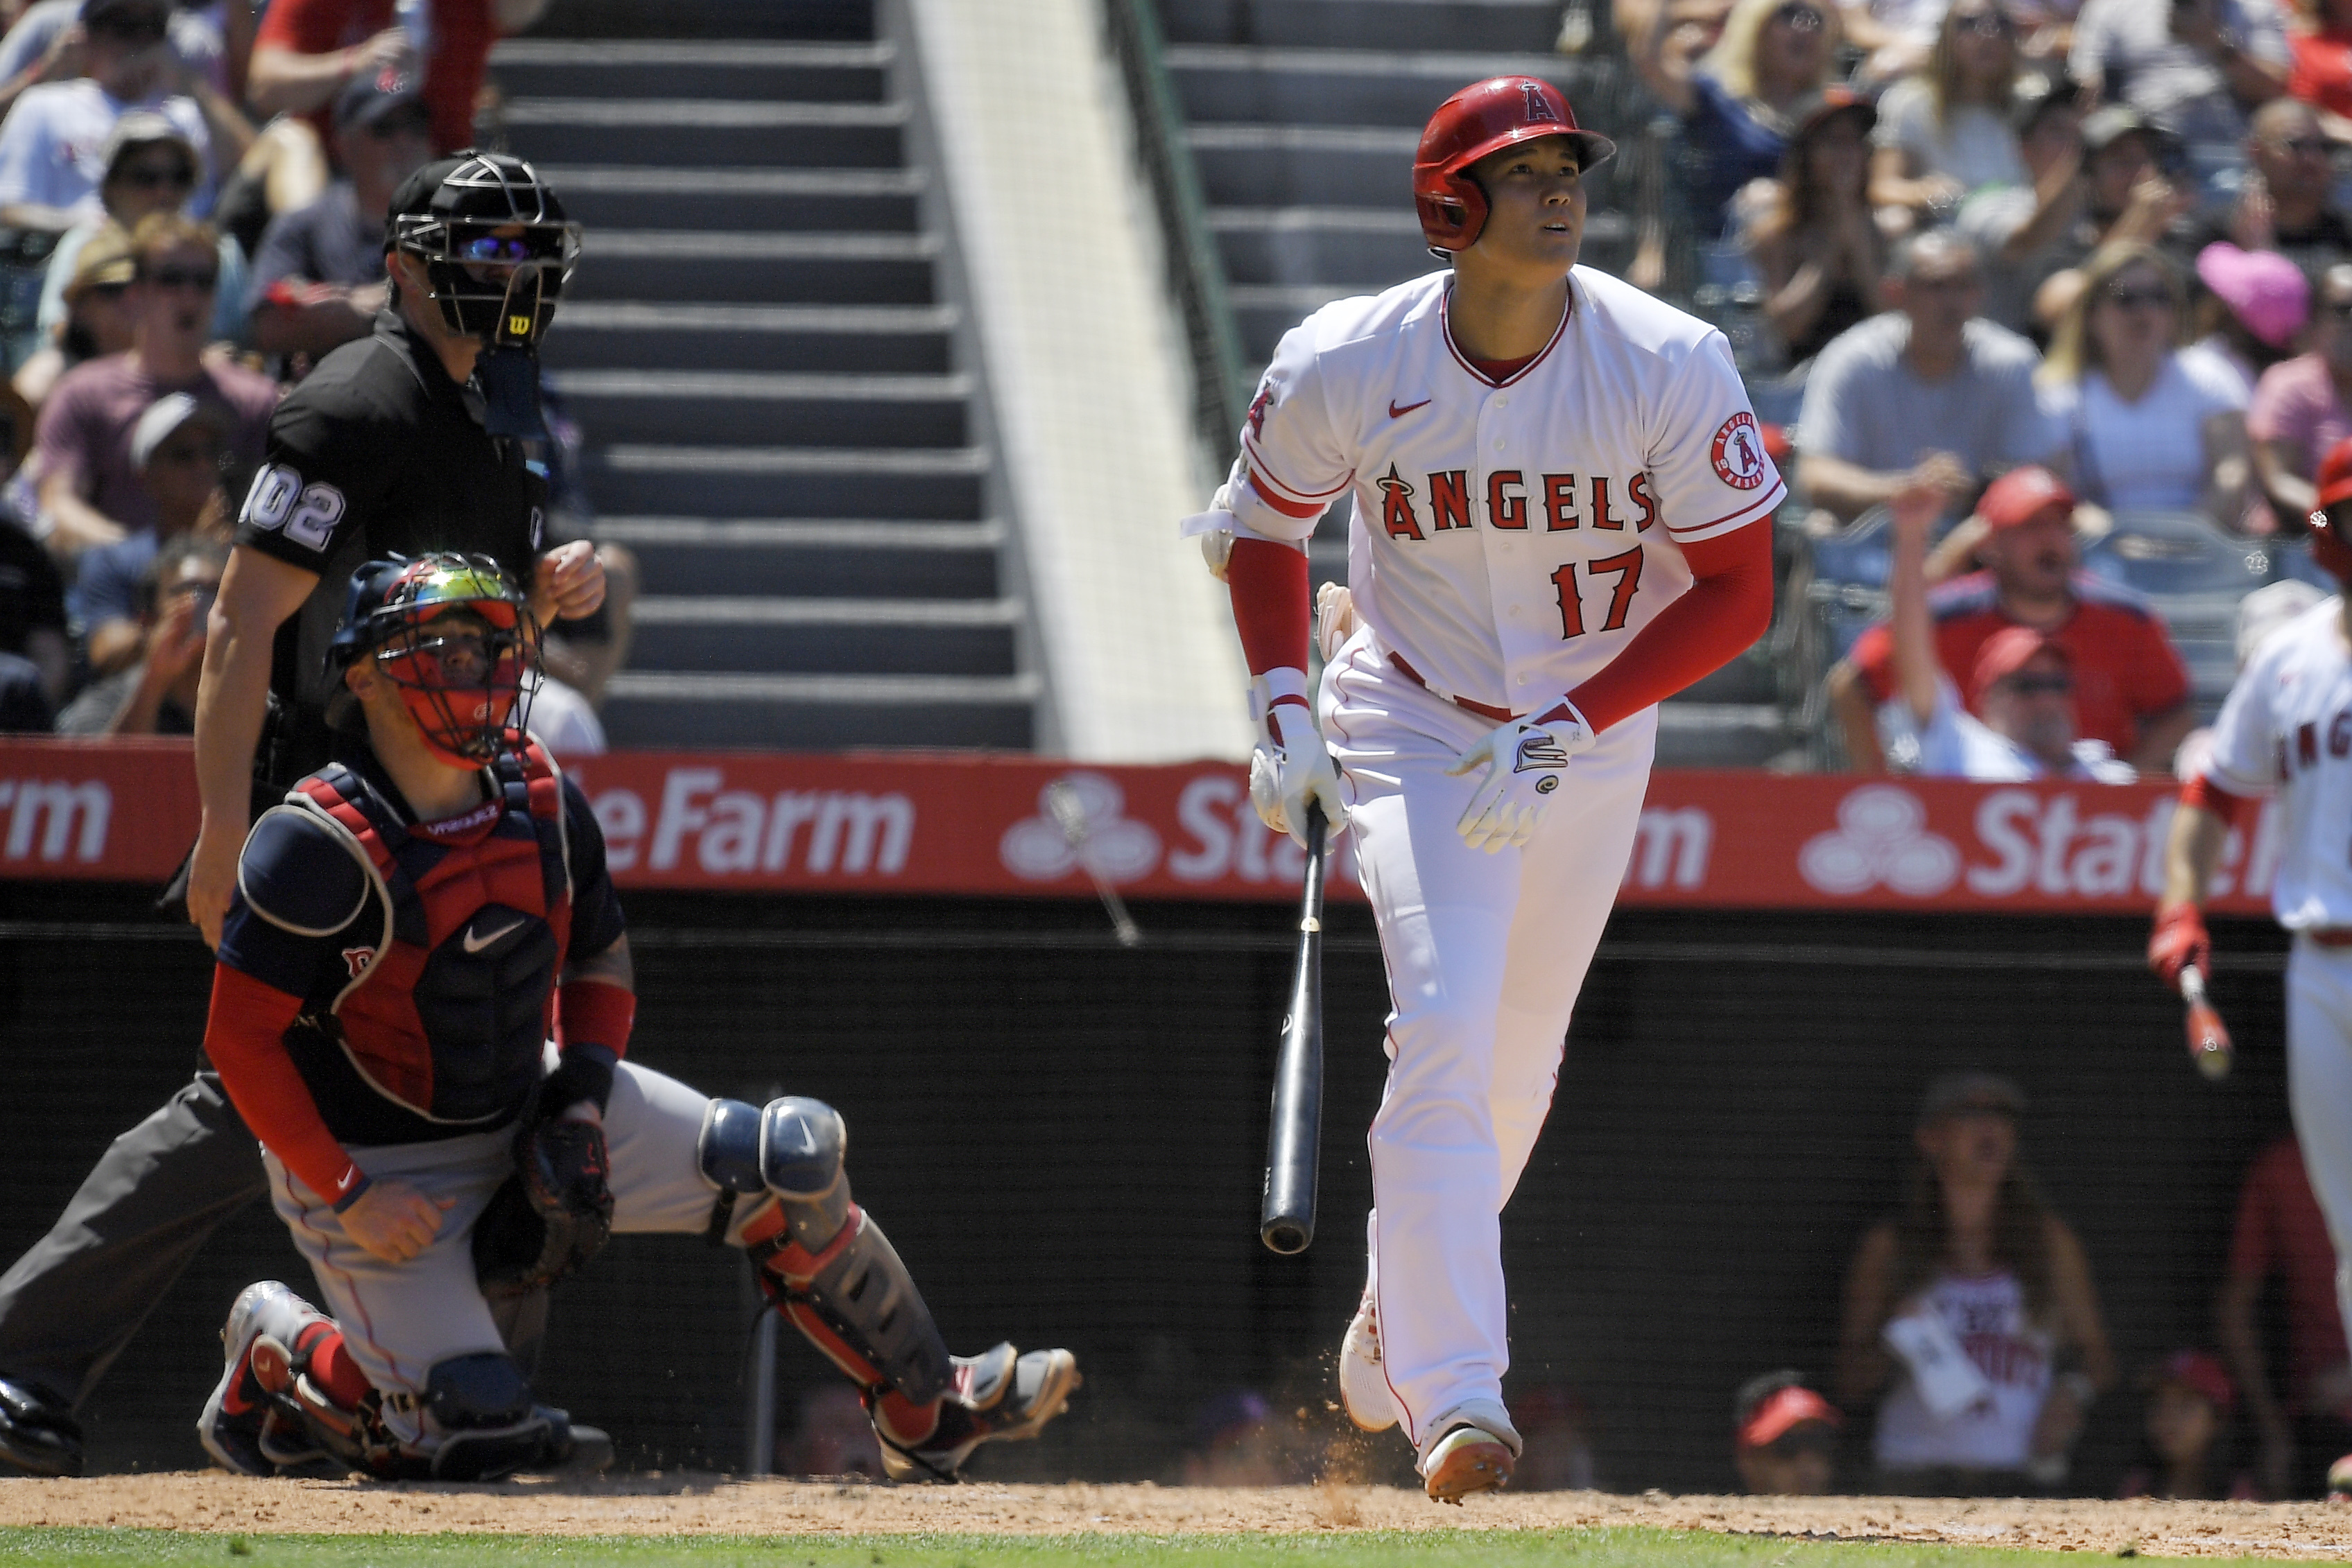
[1986, 1313]
[2287, 726]
[1509, 540]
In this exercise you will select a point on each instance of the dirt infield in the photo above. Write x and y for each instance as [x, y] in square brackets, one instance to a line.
[705, 1504]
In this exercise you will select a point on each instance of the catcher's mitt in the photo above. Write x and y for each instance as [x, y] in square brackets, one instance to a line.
[551, 1216]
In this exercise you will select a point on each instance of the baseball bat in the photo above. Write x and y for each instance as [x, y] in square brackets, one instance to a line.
[1294, 1139]
[2209, 1037]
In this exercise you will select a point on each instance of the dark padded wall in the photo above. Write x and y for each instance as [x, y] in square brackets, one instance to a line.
[1064, 1141]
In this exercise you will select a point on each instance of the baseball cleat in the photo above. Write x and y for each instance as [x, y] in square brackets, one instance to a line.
[37, 1432]
[237, 1428]
[1466, 1460]
[1364, 1381]
[998, 1395]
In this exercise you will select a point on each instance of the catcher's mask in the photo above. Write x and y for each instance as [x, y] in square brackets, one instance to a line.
[455, 636]
[497, 247]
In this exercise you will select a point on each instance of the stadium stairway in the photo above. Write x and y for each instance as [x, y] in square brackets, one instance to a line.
[760, 349]
[1302, 119]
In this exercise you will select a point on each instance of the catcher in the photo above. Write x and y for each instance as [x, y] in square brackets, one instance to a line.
[409, 929]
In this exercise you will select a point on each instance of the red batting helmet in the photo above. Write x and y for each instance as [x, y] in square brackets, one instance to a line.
[2330, 547]
[1481, 118]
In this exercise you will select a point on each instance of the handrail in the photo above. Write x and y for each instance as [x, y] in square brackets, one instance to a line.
[1220, 377]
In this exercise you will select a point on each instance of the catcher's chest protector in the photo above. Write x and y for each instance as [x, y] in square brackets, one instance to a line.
[447, 1016]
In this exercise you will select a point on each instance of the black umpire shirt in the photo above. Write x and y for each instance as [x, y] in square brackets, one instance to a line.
[376, 452]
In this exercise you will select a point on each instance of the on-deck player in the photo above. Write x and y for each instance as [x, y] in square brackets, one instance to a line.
[2286, 729]
[1561, 516]
[402, 931]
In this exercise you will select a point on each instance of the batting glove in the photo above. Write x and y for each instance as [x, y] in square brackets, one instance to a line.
[1524, 761]
[1283, 779]
[2178, 941]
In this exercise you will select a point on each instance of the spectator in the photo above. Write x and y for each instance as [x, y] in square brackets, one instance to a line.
[2147, 428]
[2194, 67]
[2023, 684]
[1737, 104]
[2299, 412]
[157, 695]
[2281, 1235]
[2185, 1427]
[149, 168]
[1926, 392]
[45, 44]
[1234, 1443]
[318, 279]
[2253, 308]
[2322, 75]
[309, 50]
[53, 142]
[89, 488]
[2021, 230]
[835, 1437]
[176, 447]
[1815, 245]
[1784, 1437]
[2130, 199]
[98, 320]
[1963, 1308]
[2131, 689]
[2286, 202]
[36, 660]
[1946, 132]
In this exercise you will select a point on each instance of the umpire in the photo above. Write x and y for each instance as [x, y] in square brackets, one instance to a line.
[407, 441]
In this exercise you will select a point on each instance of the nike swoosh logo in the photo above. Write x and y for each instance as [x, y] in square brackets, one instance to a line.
[1396, 413]
[476, 941]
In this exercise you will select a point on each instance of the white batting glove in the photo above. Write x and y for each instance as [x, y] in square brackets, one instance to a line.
[1524, 761]
[1284, 778]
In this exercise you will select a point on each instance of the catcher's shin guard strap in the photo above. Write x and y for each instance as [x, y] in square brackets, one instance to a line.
[856, 1302]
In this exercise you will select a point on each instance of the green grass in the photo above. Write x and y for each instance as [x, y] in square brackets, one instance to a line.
[1601, 1548]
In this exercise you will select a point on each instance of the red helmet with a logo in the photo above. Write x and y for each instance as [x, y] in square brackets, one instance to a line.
[1481, 118]
[2330, 547]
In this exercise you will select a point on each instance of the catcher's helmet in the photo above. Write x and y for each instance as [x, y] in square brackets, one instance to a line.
[495, 241]
[456, 635]
[1481, 118]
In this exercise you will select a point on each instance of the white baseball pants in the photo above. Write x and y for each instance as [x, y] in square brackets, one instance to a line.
[1485, 954]
[2319, 1090]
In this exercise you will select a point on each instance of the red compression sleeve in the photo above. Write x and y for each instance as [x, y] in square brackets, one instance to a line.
[1271, 604]
[2202, 791]
[595, 1012]
[245, 1036]
[1727, 609]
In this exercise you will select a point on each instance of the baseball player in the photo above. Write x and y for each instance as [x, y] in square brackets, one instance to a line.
[405, 929]
[393, 445]
[2286, 729]
[1561, 516]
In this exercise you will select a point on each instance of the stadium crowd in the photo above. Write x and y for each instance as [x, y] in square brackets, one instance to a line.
[191, 214]
[2102, 240]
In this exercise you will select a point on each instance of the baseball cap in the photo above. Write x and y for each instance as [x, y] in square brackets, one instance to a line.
[146, 127]
[1772, 1405]
[1965, 1093]
[2005, 652]
[164, 416]
[2202, 1372]
[104, 259]
[2022, 495]
[98, 13]
[2264, 290]
[2103, 127]
[370, 97]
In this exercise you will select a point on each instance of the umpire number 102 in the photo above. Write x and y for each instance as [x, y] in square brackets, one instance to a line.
[1626, 568]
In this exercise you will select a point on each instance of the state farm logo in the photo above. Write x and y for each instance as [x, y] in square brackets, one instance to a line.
[1079, 821]
[55, 817]
[1881, 837]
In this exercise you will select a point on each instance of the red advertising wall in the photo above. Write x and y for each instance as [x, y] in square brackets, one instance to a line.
[752, 822]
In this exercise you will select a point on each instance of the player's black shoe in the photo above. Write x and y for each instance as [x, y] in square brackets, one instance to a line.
[37, 1432]
[999, 1395]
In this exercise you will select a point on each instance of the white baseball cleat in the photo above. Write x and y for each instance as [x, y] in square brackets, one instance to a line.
[1363, 1382]
[1475, 1450]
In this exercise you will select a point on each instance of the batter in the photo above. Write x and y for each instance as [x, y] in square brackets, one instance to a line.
[2286, 729]
[1563, 510]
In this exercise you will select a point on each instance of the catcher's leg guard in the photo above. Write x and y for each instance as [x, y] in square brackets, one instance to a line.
[822, 1262]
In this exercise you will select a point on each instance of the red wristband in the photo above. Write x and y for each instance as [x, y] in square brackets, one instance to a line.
[595, 1012]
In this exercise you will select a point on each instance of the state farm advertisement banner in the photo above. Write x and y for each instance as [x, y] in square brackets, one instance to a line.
[993, 826]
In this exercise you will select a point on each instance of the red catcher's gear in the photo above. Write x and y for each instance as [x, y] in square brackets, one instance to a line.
[2178, 940]
[2329, 547]
[1481, 118]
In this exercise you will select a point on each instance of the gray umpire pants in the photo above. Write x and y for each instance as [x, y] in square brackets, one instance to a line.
[71, 1303]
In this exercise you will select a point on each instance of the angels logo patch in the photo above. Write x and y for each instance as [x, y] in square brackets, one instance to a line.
[1739, 454]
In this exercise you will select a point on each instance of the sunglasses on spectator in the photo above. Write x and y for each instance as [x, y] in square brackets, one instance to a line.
[1802, 18]
[2305, 146]
[203, 277]
[2340, 309]
[105, 290]
[154, 177]
[198, 452]
[1984, 24]
[130, 30]
[2150, 297]
[2041, 685]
